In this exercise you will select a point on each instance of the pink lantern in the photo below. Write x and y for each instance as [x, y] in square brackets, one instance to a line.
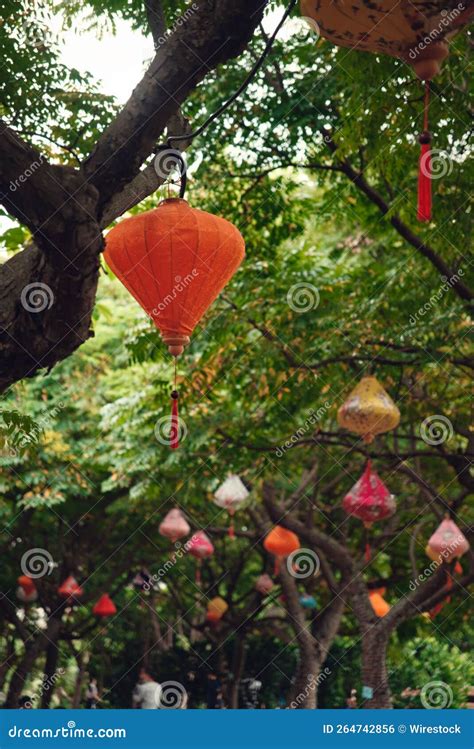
[231, 495]
[369, 499]
[174, 526]
[264, 585]
[448, 541]
[200, 546]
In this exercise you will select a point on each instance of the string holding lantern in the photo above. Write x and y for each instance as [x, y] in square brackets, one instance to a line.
[70, 588]
[416, 32]
[200, 547]
[174, 526]
[104, 607]
[281, 543]
[380, 606]
[369, 500]
[264, 584]
[174, 260]
[216, 608]
[368, 410]
[231, 495]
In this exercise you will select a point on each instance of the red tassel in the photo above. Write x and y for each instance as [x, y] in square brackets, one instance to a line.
[424, 167]
[367, 552]
[231, 526]
[174, 430]
[276, 569]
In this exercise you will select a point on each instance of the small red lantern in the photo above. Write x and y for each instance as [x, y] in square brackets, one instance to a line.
[369, 499]
[104, 607]
[448, 541]
[200, 547]
[70, 588]
[27, 584]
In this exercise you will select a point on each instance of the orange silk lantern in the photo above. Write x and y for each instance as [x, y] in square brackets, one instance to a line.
[175, 260]
[70, 588]
[216, 608]
[281, 543]
[104, 607]
[378, 603]
[415, 31]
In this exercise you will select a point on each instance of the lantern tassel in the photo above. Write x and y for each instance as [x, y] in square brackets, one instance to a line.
[424, 167]
[174, 430]
[367, 552]
[231, 526]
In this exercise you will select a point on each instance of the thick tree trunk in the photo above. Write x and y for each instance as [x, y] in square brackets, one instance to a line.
[374, 667]
[50, 674]
[238, 664]
[33, 650]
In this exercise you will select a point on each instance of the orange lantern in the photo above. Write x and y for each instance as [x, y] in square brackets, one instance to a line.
[104, 607]
[27, 584]
[70, 588]
[415, 31]
[175, 260]
[216, 608]
[281, 543]
[378, 603]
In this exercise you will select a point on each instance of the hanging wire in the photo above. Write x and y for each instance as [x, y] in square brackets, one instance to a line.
[242, 87]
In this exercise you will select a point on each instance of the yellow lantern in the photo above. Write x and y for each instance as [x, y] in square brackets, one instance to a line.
[368, 410]
[216, 609]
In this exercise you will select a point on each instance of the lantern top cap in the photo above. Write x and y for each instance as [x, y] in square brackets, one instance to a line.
[173, 200]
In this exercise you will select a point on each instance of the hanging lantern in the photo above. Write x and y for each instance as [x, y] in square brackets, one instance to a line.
[70, 588]
[104, 607]
[26, 596]
[264, 585]
[368, 410]
[200, 547]
[174, 526]
[281, 543]
[308, 602]
[448, 541]
[27, 584]
[415, 31]
[175, 260]
[379, 604]
[231, 495]
[216, 609]
[369, 499]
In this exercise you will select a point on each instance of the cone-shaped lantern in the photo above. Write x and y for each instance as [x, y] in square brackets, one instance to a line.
[368, 410]
[174, 526]
[379, 604]
[369, 499]
[231, 495]
[437, 557]
[200, 547]
[216, 609]
[415, 31]
[264, 585]
[104, 607]
[175, 260]
[24, 596]
[70, 588]
[448, 541]
[281, 543]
